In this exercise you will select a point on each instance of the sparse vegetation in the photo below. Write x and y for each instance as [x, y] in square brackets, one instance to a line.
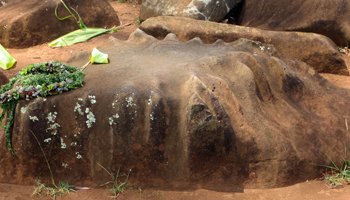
[53, 191]
[116, 185]
[338, 175]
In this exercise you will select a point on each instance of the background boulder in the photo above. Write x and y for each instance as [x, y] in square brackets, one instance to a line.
[32, 22]
[315, 50]
[327, 17]
[213, 10]
[183, 115]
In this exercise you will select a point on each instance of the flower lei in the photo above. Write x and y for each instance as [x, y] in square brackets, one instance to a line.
[36, 80]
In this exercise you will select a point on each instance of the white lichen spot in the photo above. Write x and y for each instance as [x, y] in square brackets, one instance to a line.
[114, 103]
[78, 155]
[63, 144]
[92, 99]
[129, 101]
[77, 108]
[51, 122]
[23, 110]
[111, 120]
[51, 117]
[65, 165]
[149, 101]
[33, 118]
[90, 118]
[47, 140]
[262, 47]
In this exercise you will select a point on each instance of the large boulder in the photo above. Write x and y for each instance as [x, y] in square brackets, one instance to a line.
[327, 17]
[222, 116]
[316, 50]
[213, 10]
[32, 22]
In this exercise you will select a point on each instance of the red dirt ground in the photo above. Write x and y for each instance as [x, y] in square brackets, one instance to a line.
[312, 190]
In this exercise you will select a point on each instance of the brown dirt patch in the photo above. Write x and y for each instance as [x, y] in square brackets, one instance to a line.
[312, 190]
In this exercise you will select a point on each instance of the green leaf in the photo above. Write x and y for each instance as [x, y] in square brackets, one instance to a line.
[6, 60]
[80, 35]
[98, 57]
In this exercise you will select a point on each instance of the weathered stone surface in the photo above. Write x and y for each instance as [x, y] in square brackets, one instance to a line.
[3, 78]
[221, 116]
[32, 22]
[213, 10]
[327, 17]
[316, 50]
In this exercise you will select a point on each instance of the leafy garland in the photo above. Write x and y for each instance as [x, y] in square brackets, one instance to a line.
[36, 80]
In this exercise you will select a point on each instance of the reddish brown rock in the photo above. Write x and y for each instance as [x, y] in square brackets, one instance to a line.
[3, 78]
[32, 22]
[327, 17]
[316, 50]
[183, 115]
[212, 10]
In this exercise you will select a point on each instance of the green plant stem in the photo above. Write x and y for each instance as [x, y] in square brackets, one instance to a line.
[75, 15]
